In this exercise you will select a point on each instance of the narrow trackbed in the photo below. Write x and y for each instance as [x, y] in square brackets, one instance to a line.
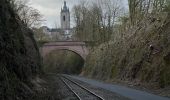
[80, 91]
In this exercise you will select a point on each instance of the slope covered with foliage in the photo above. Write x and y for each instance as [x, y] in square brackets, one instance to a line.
[19, 56]
[142, 57]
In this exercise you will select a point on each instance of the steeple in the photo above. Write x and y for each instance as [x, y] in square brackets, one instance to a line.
[65, 4]
[65, 17]
[65, 8]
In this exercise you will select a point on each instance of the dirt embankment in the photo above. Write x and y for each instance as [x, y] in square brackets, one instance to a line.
[142, 58]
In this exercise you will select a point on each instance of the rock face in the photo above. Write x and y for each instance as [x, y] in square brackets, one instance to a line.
[142, 58]
[19, 56]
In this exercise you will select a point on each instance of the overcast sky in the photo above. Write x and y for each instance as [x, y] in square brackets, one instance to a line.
[50, 9]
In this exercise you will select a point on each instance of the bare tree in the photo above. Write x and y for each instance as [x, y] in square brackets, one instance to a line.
[29, 15]
[167, 6]
[111, 11]
[139, 9]
[95, 22]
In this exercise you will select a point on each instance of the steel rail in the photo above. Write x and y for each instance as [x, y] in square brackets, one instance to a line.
[71, 89]
[89, 91]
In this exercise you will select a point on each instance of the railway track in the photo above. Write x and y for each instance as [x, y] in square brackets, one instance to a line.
[81, 92]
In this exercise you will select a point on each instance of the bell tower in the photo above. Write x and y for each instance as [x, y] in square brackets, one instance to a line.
[65, 17]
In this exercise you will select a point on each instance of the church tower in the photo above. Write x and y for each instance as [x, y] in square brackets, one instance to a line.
[65, 17]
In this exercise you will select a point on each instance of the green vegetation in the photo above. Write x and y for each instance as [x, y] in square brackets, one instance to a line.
[64, 62]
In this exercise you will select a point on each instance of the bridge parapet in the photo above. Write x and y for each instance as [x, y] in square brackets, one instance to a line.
[64, 43]
[75, 46]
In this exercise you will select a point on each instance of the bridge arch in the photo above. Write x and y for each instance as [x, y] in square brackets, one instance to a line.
[76, 47]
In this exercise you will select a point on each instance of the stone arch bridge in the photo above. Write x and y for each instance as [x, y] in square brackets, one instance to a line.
[75, 46]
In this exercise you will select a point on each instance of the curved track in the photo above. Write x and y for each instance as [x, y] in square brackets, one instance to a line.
[81, 92]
